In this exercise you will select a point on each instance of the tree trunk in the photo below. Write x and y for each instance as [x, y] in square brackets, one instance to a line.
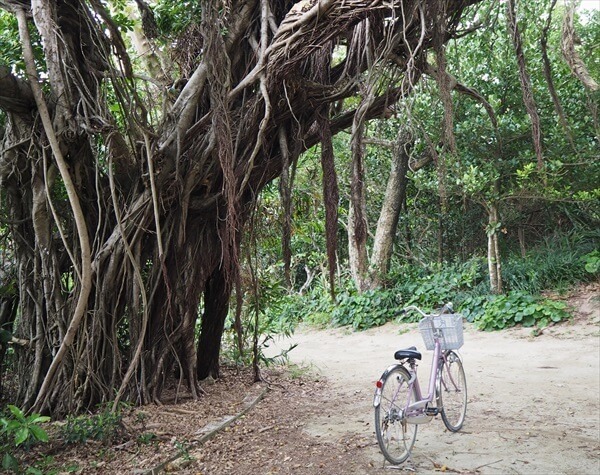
[522, 246]
[494, 262]
[395, 194]
[216, 306]
[357, 209]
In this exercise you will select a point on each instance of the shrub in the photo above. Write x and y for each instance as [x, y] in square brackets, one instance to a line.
[442, 284]
[103, 426]
[368, 309]
[502, 311]
[560, 262]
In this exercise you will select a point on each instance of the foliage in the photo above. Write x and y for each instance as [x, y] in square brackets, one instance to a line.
[518, 308]
[269, 325]
[442, 283]
[173, 18]
[16, 430]
[314, 307]
[103, 426]
[591, 262]
[560, 262]
[367, 309]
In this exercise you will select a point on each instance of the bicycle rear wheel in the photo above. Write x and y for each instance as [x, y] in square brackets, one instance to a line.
[452, 395]
[395, 436]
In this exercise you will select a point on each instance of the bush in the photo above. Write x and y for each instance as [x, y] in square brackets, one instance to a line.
[591, 262]
[103, 426]
[557, 264]
[442, 284]
[503, 311]
[314, 308]
[366, 310]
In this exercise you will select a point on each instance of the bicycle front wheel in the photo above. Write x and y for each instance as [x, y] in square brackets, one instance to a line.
[452, 392]
[395, 435]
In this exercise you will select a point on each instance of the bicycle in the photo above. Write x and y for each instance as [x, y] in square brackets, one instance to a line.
[399, 404]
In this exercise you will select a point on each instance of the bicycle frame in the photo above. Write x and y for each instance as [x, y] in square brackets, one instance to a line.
[416, 411]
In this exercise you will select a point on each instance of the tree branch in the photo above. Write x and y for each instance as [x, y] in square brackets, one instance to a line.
[573, 59]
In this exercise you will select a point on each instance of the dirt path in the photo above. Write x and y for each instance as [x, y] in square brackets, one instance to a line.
[534, 403]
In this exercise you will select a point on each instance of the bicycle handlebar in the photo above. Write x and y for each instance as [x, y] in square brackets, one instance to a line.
[447, 307]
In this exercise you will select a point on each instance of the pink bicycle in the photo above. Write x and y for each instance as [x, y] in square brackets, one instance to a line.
[399, 404]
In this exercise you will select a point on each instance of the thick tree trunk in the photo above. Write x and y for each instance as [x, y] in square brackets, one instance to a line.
[216, 306]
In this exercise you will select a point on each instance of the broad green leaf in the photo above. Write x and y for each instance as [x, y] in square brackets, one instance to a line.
[528, 321]
[21, 435]
[16, 412]
[37, 419]
[39, 433]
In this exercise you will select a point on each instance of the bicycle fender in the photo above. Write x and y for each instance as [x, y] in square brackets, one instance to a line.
[379, 384]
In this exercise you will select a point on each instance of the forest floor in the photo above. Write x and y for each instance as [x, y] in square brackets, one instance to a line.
[533, 408]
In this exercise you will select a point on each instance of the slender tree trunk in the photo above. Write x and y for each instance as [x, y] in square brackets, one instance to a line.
[550, 81]
[285, 192]
[522, 245]
[357, 212]
[395, 194]
[449, 141]
[494, 262]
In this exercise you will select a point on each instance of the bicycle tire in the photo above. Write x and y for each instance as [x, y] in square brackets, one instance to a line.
[395, 436]
[452, 392]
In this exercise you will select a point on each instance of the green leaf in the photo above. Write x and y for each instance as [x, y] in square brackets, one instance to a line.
[529, 310]
[518, 316]
[556, 316]
[21, 435]
[528, 321]
[37, 419]
[9, 462]
[16, 412]
[39, 433]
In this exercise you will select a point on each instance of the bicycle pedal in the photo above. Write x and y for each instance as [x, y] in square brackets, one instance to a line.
[432, 411]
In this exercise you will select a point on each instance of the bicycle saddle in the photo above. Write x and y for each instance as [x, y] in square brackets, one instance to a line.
[408, 353]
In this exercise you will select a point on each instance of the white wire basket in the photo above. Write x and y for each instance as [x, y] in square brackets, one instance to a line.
[449, 328]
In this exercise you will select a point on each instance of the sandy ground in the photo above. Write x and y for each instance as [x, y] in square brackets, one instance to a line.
[533, 405]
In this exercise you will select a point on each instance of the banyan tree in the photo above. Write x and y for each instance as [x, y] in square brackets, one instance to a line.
[130, 163]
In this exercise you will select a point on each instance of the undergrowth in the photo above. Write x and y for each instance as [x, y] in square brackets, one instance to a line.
[558, 264]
